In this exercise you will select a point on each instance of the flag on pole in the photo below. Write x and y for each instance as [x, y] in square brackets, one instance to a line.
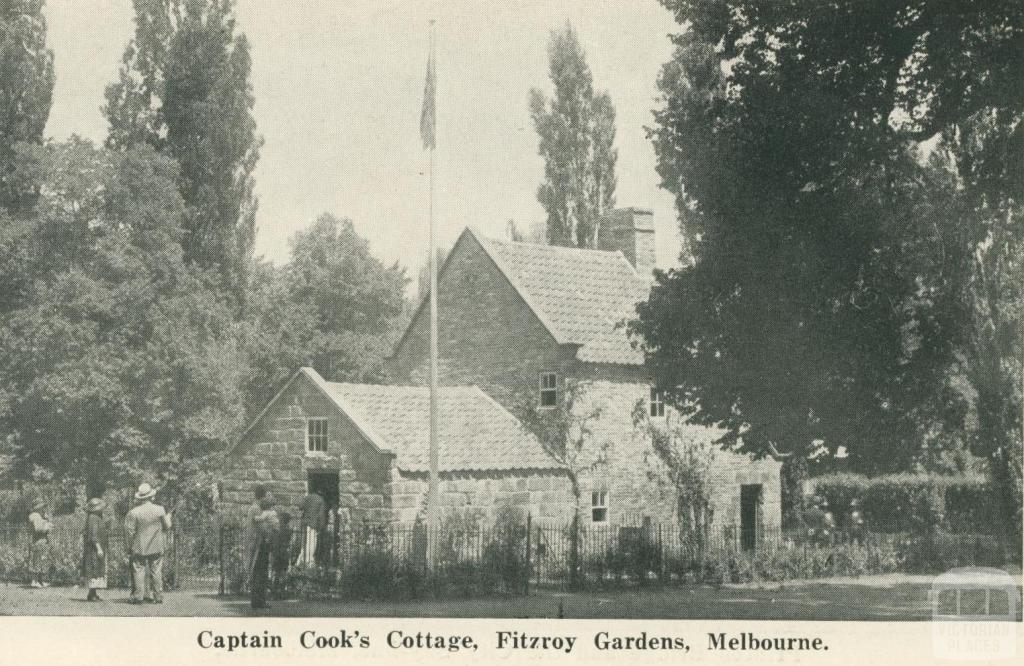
[427, 120]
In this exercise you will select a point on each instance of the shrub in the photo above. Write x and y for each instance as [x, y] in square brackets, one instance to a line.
[839, 491]
[917, 503]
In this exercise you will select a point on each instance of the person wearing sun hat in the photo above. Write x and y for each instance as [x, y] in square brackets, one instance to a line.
[94, 548]
[39, 555]
[145, 527]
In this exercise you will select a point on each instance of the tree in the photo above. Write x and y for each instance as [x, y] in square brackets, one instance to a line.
[184, 88]
[576, 129]
[823, 158]
[334, 307]
[566, 432]
[26, 91]
[685, 455]
[121, 360]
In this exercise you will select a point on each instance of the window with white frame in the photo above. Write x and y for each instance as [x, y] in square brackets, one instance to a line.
[657, 402]
[599, 506]
[548, 384]
[316, 435]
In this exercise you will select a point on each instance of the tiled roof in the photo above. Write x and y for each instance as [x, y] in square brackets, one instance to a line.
[582, 296]
[475, 432]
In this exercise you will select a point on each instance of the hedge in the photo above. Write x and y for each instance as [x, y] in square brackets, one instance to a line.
[912, 502]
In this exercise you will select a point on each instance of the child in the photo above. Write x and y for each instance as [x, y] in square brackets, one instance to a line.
[282, 553]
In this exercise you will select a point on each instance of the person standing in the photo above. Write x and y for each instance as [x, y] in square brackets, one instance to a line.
[261, 552]
[145, 527]
[39, 555]
[282, 554]
[94, 548]
[252, 516]
[314, 520]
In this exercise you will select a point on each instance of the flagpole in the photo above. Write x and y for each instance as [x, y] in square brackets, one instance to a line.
[433, 495]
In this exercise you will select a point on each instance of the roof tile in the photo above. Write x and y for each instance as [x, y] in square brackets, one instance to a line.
[476, 433]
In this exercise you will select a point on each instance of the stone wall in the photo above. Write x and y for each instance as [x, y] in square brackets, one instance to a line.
[274, 454]
[487, 335]
[545, 495]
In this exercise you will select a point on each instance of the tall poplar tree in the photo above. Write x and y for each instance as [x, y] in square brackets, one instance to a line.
[26, 91]
[577, 131]
[184, 88]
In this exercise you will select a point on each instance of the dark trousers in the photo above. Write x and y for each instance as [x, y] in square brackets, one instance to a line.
[280, 576]
[260, 575]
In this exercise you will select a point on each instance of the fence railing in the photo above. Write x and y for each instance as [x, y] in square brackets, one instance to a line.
[191, 559]
[392, 560]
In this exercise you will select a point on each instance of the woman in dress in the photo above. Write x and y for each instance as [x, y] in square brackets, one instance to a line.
[39, 555]
[94, 548]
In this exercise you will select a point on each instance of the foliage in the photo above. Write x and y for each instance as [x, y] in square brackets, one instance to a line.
[26, 91]
[334, 307]
[118, 360]
[919, 503]
[576, 129]
[184, 88]
[824, 304]
[505, 552]
[65, 552]
[686, 453]
[566, 431]
[470, 560]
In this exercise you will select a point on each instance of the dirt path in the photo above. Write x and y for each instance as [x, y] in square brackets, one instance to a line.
[868, 598]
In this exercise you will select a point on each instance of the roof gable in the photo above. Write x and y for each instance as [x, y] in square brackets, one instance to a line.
[581, 297]
[466, 237]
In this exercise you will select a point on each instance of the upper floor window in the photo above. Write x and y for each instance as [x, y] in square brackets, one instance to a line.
[316, 434]
[657, 402]
[548, 389]
[599, 506]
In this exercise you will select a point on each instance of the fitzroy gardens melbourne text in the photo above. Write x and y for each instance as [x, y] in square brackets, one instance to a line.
[506, 640]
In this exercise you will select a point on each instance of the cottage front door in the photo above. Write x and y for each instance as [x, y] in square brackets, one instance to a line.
[325, 484]
[750, 515]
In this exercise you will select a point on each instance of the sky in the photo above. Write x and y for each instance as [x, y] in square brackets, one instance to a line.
[339, 86]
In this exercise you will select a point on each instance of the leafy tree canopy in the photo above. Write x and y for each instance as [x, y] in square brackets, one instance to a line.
[334, 307]
[120, 361]
[826, 301]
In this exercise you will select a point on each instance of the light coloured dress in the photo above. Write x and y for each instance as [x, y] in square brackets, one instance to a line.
[39, 555]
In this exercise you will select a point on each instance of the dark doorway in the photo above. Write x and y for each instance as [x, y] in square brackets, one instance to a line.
[750, 515]
[325, 484]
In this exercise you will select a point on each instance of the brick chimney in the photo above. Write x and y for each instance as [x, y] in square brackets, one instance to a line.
[630, 230]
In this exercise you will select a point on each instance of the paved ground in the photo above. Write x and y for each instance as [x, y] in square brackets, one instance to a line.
[896, 597]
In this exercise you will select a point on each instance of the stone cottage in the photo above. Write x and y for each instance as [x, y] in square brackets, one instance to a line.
[528, 322]
[364, 448]
[523, 328]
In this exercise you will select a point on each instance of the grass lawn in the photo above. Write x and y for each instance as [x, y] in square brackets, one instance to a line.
[891, 597]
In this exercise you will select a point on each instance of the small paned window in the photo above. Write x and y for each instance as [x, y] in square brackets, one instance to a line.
[316, 435]
[657, 402]
[548, 389]
[599, 506]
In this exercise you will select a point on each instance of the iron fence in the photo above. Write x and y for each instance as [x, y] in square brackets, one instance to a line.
[395, 560]
[192, 557]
